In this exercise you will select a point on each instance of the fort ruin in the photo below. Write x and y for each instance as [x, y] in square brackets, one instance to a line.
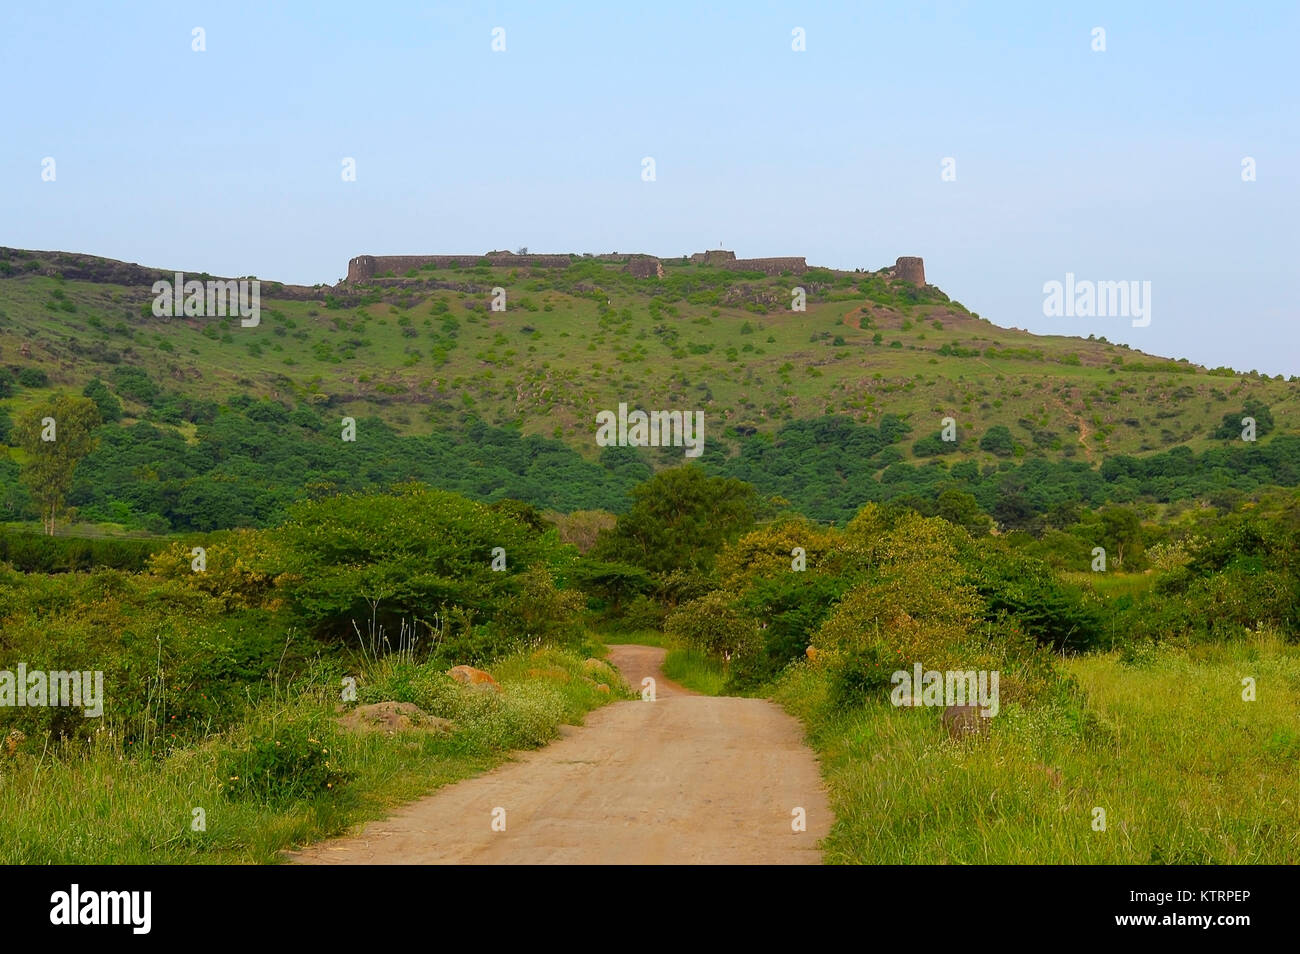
[910, 269]
[365, 268]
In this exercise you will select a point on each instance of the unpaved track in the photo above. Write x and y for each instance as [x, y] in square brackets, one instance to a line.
[687, 779]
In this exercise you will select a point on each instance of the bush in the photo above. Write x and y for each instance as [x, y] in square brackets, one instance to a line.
[643, 613]
[33, 378]
[711, 625]
[110, 409]
[284, 762]
[134, 383]
[998, 440]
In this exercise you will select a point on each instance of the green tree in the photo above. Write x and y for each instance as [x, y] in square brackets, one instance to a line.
[961, 508]
[998, 440]
[110, 408]
[1231, 427]
[679, 520]
[55, 436]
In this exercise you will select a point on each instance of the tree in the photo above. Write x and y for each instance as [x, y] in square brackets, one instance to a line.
[998, 440]
[110, 408]
[959, 507]
[55, 436]
[1231, 427]
[679, 519]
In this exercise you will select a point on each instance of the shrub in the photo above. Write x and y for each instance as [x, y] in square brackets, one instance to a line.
[998, 440]
[33, 378]
[643, 613]
[282, 763]
[713, 626]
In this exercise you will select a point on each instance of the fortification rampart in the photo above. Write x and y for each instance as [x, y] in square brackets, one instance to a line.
[768, 266]
[365, 267]
[715, 256]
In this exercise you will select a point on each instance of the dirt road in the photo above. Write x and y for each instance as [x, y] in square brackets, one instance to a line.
[686, 779]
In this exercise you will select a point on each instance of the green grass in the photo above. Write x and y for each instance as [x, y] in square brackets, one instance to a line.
[1112, 585]
[696, 671]
[1186, 771]
[99, 805]
[639, 637]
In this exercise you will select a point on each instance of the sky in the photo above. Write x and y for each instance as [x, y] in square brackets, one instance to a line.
[1122, 164]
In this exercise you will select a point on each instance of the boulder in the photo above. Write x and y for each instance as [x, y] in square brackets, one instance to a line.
[964, 721]
[393, 717]
[473, 677]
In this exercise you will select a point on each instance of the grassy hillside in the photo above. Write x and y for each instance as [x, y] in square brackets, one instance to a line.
[421, 350]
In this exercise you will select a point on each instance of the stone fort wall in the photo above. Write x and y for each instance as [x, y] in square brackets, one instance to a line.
[365, 267]
[768, 266]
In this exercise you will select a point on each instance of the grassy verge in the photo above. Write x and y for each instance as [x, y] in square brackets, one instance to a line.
[696, 671]
[97, 805]
[1185, 770]
[687, 667]
[640, 637]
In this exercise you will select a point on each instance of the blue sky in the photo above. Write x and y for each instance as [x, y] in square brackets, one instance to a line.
[1115, 165]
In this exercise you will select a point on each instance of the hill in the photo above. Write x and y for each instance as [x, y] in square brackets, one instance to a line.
[418, 349]
[425, 354]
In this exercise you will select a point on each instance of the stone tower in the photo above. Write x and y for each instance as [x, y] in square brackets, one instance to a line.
[361, 268]
[910, 269]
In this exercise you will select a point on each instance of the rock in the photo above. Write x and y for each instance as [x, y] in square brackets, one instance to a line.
[964, 721]
[473, 677]
[393, 717]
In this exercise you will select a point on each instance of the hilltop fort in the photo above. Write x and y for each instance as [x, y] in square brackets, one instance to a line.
[367, 267]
